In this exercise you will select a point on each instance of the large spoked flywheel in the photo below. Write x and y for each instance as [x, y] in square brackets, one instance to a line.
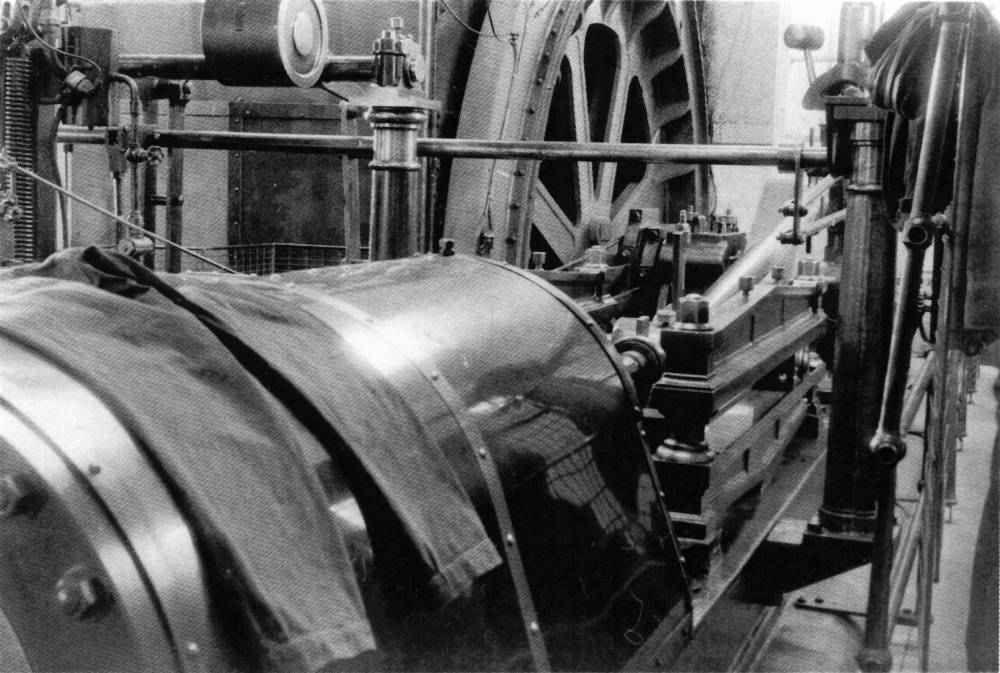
[598, 71]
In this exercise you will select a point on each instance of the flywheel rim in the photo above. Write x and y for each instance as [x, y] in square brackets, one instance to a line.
[647, 81]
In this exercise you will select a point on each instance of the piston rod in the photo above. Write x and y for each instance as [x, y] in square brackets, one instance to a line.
[736, 155]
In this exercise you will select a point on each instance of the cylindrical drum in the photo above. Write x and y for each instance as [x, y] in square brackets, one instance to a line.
[191, 466]
[263, 43]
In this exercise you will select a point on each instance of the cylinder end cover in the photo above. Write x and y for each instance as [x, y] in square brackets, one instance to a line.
[256, 43]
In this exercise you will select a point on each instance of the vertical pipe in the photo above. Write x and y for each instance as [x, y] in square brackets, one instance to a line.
[150, 180]
[350, 180]
[864, 322]
[875, 655]
[175, 186]
[397, 182]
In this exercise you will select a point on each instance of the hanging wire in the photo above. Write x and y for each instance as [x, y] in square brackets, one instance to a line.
[493, 33]
[56, 50]
[7, 163]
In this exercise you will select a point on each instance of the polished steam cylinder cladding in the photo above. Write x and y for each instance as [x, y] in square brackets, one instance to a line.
[263, 43]
[456, 431]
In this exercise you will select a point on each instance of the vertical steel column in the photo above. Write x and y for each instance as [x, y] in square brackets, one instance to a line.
[397, 182]
[864, 322]
[887, 446]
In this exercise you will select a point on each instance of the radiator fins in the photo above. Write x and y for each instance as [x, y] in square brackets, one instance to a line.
[18, 120]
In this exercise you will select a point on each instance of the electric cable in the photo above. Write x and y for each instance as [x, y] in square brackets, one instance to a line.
[495, 35]
[56, 50]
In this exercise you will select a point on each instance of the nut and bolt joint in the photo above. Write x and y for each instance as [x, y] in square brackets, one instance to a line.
[693, 310]
[810, 268]
[777, 274]
[746, 284]
[82, 595]
[17, 496]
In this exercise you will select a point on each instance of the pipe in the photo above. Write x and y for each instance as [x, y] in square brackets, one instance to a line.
[164, 66]
[736, 155]
[194, 66]
[887, 445]
[756, 261]
[150, 182]
[116, 218]
[175, 187]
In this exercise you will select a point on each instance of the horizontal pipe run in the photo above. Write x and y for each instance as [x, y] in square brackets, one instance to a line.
[164, 66]
[739, 155]
[194, 66]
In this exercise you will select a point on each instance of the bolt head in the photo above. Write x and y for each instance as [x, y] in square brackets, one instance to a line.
[694, 310]
[746, 284]
[82, 595]
[777, 273]
[17, 496]
[810, 267]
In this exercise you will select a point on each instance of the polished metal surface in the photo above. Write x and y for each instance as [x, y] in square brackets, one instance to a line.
[263, 43]
[735, 155]
[551, 399]
[126, 528]
[396, 208]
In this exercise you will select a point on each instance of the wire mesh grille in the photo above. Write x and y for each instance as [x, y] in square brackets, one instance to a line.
[261, 258]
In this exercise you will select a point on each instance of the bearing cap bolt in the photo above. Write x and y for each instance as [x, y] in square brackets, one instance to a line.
[809, 267]
[777, 274]
[746, 286]
[82, 595]
[693, 309]
[17, 496]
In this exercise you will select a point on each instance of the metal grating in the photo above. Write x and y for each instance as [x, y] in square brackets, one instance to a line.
[262, 258]
[18, 120]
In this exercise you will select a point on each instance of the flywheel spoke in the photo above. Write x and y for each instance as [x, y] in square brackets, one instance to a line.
[552, 222]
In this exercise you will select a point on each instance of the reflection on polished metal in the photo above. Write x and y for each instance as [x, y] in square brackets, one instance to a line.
[396, 212]
[265, 43]
[126, 554]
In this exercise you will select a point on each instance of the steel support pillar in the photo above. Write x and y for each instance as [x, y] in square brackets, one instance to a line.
[864, 327]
